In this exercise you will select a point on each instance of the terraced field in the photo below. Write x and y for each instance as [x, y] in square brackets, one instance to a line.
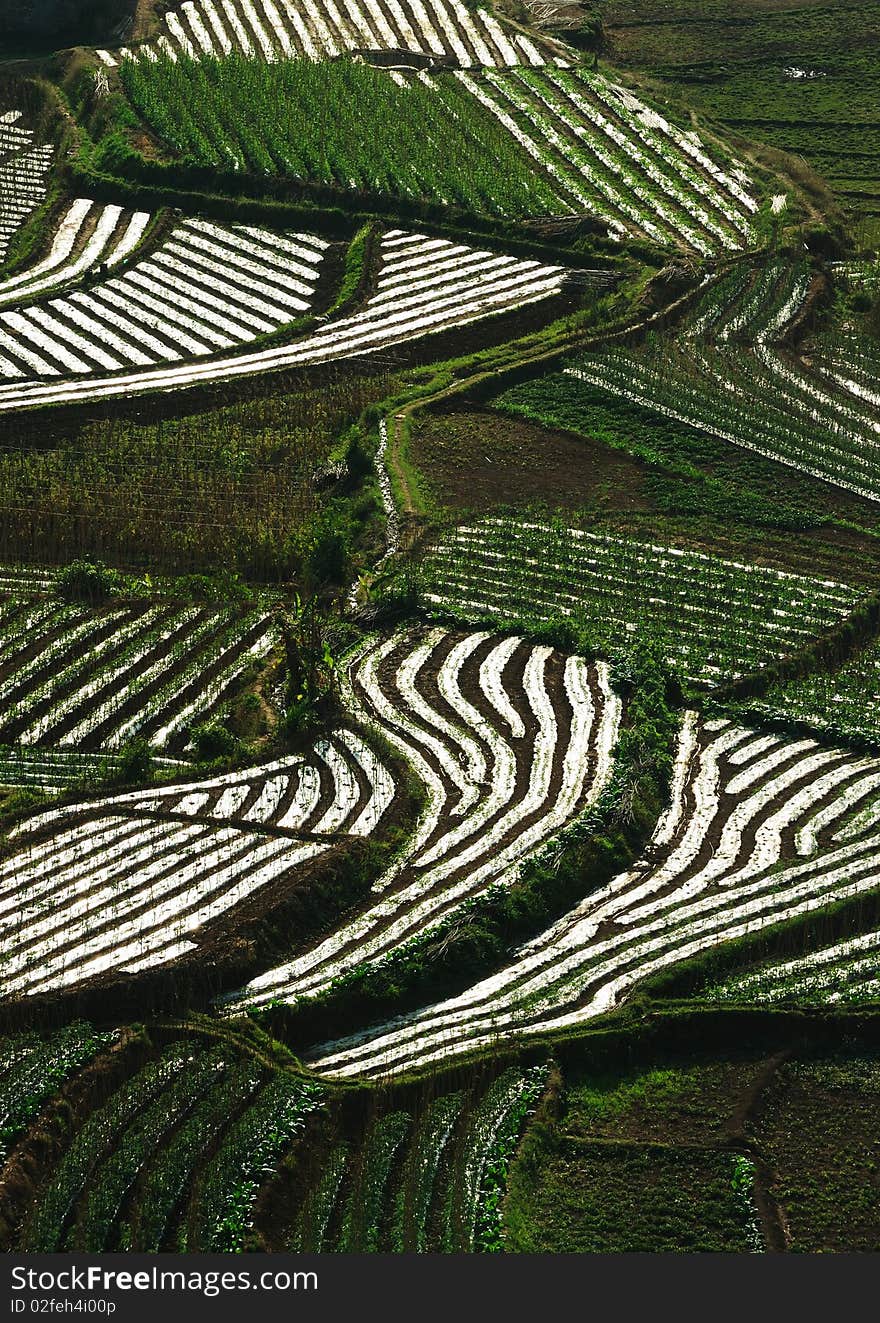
[464, 285]
[716, 617]
[89, 236]
[734, 372]
[524, 142]
[440, 631]
[205, 289]
[90, 679]
[134, 881]
[611, 154]
[843, 974]
[512, 742]
[140, 1143]
[419, 1180]
[797, 76]
[843, 702]
[759, 830]
[439, 31]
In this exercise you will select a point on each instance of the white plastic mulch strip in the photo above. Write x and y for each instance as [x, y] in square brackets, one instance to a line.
[129, 880]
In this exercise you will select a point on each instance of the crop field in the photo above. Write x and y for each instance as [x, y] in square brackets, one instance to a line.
[611, 154]
[526, 142]
[24, 168]
[307, 120]
[128, 882]
[93, 678]
[223, 485]
[759, 830]
[439, 627]
[183, 1154]
[205, 289]
[88, 236]
[761, 394]
[798, 76]
[424, 1181]
[715, 617]
[844, 702]
[732, 1153]
[466, 284]
[717, 1152]
[438, 30]
[120, 1180]
[511, 741]
[843, 974]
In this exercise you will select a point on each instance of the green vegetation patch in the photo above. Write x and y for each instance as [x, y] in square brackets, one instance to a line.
[339, 123]
[595, 1198]
[817, 1130]
[231, 485]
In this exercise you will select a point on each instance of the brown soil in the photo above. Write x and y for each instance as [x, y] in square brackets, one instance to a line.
[478, 460]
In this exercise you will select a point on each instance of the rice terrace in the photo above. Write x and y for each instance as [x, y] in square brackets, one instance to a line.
[439, 626]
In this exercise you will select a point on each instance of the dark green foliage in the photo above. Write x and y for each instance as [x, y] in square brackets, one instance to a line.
[782, 941]
[310, 664]
[358, 460]
[85, 581]
[173, 1169]
[328, 557]
[357, 268]
[213, 740]
[602, 1198]
[874, 318]
[339, 123]
[32, 1070]
[134, 765]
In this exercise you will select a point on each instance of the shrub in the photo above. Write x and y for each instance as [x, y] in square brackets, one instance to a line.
[327, 561]
[213, 740]
[86, 581]
[135, 763]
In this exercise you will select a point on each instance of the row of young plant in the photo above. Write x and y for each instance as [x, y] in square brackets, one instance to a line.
[206, 288]
[728, 373]
[24, 170]
[427, 1179]
[716, 617]
[126, 883]
[53, 771]
[844, 974]
[33, 1069]
[175, 1156]
[90, 237]
[844, 703]
[611, 155]
[237, 486]
[94, 678]
[343, 123]
[597, 149]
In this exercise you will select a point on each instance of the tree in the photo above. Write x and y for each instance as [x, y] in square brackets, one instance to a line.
[311, 667]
